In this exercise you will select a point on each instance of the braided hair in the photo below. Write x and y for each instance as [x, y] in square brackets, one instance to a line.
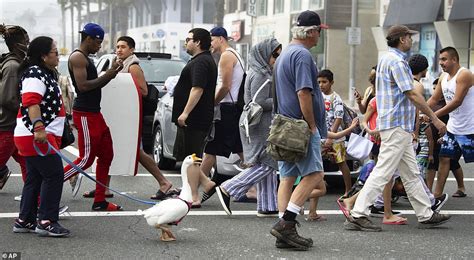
[13, 34]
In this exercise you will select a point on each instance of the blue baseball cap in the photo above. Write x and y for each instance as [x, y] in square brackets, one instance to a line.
[93, 30]
[219, 31]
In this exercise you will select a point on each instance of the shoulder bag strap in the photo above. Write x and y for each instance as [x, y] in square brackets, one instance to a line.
[259, 89]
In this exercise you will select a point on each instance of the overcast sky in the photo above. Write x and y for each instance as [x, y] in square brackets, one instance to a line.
[38, 17]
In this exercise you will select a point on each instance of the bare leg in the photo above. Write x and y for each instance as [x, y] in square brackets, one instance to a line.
[459, 175]
[193, 180]
[208, 161]
[150, 165]
[305, 187]
[430, 176]
[443, 172]
[284, 192]
[387, 200]
[346, 174]
[318, 192]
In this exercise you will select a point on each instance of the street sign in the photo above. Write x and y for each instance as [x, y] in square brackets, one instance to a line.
[252, 8]
[353, 35]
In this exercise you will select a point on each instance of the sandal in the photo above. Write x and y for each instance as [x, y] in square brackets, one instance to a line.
[109, 207]
[459, 194]
[343, 208]
[317, 218]
[91, 194]
[165, 195]
[196, 205]
[398, 221]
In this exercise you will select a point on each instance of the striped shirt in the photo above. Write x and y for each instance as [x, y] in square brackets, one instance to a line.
[393, 79]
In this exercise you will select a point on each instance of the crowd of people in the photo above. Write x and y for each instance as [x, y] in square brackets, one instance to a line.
[414, 135]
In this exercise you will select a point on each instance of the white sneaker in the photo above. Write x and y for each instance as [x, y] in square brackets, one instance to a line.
[75, 188]
[17, 198]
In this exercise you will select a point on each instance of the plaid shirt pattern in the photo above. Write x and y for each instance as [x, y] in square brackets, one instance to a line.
[393, 78]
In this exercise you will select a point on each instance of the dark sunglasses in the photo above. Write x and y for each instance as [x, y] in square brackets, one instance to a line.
[275, 54]
[188, 39]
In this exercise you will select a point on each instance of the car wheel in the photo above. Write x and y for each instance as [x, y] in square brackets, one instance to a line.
[162, 162]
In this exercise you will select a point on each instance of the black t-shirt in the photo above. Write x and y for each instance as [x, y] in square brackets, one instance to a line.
[88, 101]
[201, 71]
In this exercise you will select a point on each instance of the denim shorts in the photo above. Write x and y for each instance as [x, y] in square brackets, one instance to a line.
[454, 146]
[313, 161]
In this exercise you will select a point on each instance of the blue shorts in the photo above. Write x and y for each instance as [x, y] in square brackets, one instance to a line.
[454, 146]
[313, 161]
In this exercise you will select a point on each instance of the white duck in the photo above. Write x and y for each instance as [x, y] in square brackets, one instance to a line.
[171, 211]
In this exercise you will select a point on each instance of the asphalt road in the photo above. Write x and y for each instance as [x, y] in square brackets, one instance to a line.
[208, 233]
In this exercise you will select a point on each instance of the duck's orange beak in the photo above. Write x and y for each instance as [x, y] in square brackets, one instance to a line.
[196, 159]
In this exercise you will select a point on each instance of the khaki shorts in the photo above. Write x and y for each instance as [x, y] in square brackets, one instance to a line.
[337, 153]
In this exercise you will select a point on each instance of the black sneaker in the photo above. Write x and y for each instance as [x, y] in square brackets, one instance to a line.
[435, 220]
[439, 202]
[224, 199]
[23, 226]
[207, 195]
[267, 214]
[361, 224]
[51, 229]
[286, 231]
[378, 212]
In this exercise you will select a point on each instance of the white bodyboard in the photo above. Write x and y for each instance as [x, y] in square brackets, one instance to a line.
[121, 108]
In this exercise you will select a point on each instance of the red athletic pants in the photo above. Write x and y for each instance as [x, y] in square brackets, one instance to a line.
[8, 149]
[94, 140]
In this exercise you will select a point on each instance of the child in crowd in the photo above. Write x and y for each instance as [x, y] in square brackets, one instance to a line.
[334, 148]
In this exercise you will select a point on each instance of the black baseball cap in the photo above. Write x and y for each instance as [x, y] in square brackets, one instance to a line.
[219, 32]
[310, 18]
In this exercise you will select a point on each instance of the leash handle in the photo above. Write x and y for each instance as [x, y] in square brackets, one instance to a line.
[77, 168]
[39, 151]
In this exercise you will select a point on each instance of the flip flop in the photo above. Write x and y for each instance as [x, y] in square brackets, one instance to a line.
[91, 194]
[459, 194]
[343, 208]
[318, 218]
[207, 195]
[399, 221]
[165, 195]
[110, 207]
[196, 205]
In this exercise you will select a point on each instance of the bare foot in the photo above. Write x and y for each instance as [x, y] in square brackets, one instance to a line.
[313, 216]
[165, 187]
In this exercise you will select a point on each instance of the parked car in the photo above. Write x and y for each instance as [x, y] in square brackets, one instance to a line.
[164, 132]
[157, 67]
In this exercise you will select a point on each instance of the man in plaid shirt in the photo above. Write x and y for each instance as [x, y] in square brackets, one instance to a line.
[396, 104]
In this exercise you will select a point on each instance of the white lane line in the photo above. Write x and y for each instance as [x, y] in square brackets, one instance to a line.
[219, 213]
[179, 176]
[138, 175]
[72, 150]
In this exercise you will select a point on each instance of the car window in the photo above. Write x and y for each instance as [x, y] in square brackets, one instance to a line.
[158, 70]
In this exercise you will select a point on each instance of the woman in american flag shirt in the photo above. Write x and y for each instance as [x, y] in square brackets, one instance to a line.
[40, 121]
